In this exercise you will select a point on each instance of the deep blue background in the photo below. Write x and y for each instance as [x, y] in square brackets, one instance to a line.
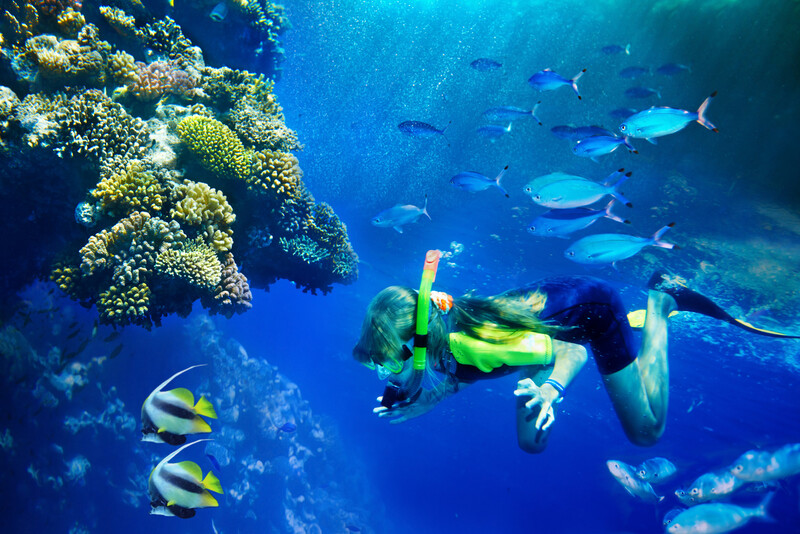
[354, 70]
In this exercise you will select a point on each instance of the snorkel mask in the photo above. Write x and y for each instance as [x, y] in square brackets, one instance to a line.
[410, 390]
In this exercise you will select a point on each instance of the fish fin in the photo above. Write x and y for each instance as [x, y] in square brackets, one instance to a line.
[611, 216]
[191, 469]
[762, 511]
[212, 483]
[398, 228]
[613, 178]
[183, 395]
[499, 177]
[616, 192]
[170, 379]
[659, 234]
[424, 210]
[170, 503]
[207, 501]
[574, 82]
[595, 159]
[651, 140]
[533, 113]
[628, 145]
[199, 426]
[172, 455]
[701, 113]
[204, 407]
[628, 49]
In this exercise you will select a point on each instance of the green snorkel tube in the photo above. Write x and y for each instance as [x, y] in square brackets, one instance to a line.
[409, 391]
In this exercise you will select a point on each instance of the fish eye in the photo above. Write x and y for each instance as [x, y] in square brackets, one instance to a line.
[537, 197]
[623, 127]
[527, 189]
[694, 491]
[532, 228]
[549, 229]
[570, 253]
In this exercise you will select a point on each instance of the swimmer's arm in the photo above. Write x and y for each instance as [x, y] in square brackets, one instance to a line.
[569, 359]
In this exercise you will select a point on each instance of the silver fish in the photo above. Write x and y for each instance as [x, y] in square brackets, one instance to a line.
[625, 475]
[561, 223]
[398, 215]
[560, 191]
[716, 518]
[656, 470]
[660, 121]
[474, 181]
[763, 466]
[709, 486]
[510, 113]
[610, 248]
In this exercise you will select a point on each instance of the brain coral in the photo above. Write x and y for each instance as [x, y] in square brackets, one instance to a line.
[216, 146]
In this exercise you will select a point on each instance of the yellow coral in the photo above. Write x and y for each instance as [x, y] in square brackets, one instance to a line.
[122, 67]
[277, 173]
[195, 263]
[70, 22]
[129, 189]
[122, 23]
[125, 305]
[216, 146]
[197, 204]
[67, 278]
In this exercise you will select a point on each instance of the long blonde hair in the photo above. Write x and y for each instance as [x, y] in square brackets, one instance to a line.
[390, 322]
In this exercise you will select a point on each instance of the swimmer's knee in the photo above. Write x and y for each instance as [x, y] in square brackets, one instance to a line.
[645, 435]
[532, 446]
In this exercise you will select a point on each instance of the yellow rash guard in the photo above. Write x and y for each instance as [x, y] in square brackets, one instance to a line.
[530, 348]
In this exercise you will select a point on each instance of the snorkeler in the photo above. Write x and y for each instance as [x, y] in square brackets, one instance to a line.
[431, 345]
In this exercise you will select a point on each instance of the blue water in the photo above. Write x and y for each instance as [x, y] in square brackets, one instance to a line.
[353, 71]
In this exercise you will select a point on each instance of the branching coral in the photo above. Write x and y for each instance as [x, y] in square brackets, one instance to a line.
[165, 37]
[123, 305]
[195, 263]
[129, 188]
[279, 178]
[91, 125]
[197, 204]
[22, 19]
[216, 146]
[70, 22]
[232, 295]
[122, 68]
[160, 78]
[261, 126]
[122, 23]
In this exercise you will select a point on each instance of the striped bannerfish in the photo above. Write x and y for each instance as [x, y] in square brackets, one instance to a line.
[167, 416]
[177, 489]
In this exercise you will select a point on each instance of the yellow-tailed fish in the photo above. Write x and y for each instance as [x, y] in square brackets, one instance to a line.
[167, 416]
[178, 489]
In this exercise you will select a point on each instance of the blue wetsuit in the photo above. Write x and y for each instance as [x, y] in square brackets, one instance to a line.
[594, 313]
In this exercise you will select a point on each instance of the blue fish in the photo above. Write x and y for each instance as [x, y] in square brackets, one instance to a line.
[621, 113]
[398, 215]
[660, 121]
[614, 49]
[633, 72]
[572, 133]
[493, 131]
[600, 145]
[641, 92]
[510, 113]
[420, 129]
[474, 181]
[583, 132]
[718, 517]
[484, 64]
[288, 427]
[610, 248]
[672, 69]
[547, 80]
[564, 132]
[561, 191]
[561, 223]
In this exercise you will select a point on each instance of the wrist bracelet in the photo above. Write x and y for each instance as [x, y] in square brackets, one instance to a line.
[556, 385]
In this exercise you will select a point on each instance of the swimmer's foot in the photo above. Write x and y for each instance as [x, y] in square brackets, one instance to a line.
[691, 301]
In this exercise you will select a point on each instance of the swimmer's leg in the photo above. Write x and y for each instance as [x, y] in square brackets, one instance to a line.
[640, 391]
[530, 439]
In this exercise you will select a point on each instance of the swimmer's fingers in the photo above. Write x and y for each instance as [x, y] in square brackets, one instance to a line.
[526, 387]
[546, 417]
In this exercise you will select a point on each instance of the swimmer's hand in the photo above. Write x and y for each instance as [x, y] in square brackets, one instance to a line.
[405, 410]
[543, 397]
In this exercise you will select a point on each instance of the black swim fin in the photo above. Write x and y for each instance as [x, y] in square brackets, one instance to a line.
[692, 301]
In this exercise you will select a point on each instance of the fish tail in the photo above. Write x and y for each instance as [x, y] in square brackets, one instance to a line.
[658, 235]
[616, 192]
[424, 210]
[701, 113]
[628, 49]
[204, 408]
[533, 112]
[500, 176]
[611, 216]
[575, 83]
[508, 128]
[628, 145]
[762, 511]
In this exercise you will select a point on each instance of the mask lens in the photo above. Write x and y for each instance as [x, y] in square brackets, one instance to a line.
[383, 372]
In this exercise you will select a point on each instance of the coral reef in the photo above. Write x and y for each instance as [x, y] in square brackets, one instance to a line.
[162, 172]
